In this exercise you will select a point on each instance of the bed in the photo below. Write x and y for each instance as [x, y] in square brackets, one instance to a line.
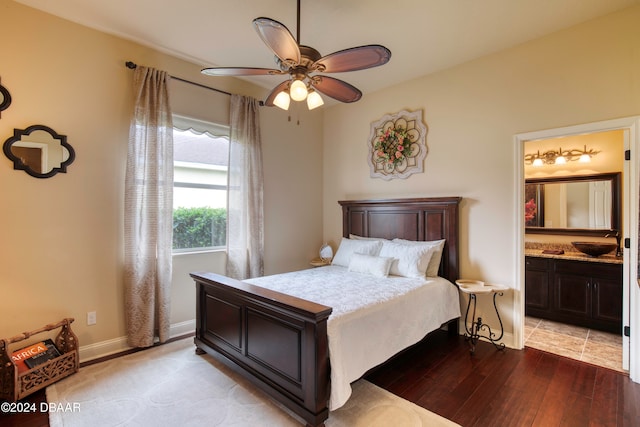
[280, 340]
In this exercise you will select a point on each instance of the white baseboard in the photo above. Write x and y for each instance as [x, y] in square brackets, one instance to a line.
[118, 345]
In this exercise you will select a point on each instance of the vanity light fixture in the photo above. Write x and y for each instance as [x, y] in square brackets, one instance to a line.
[559, 157]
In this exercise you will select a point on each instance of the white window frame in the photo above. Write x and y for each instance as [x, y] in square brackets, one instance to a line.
[185, 123]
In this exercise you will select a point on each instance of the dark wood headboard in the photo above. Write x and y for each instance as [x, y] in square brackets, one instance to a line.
[420, 219]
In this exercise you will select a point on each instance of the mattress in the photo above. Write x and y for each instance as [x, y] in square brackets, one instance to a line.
[372, 319]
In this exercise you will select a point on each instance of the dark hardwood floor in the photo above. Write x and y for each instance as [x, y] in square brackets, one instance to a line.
[30, 418]
[490, 388]
[510, 387]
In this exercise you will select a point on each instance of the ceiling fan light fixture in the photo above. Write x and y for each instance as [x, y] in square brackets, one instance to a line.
[298, 90]
[314, 100]
[282, 100]
[300, 62]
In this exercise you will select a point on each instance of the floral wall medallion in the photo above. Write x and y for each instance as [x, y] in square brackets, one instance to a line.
[397, 145]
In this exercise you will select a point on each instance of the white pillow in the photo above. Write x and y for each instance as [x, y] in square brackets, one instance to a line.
[356, 237]
[434, 261]
[409, 261]
[370, 264]
[348, 247]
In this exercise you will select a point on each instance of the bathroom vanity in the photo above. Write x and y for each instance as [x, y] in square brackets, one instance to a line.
[574, 288]
[569, 286]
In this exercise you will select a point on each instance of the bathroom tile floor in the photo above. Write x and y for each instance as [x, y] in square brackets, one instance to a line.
[595, 347]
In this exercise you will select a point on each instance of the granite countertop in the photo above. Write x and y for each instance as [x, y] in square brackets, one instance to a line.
[570, 253]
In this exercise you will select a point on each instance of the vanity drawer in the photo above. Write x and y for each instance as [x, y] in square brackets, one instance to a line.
[591, 269]
[535, 263]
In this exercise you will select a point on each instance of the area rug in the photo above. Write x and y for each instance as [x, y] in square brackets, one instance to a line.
[170, 385]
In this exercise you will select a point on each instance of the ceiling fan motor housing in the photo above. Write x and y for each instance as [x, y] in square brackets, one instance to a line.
[308, 56]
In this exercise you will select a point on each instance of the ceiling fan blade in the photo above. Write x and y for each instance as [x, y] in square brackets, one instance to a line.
[279, 39]
[353, 59]
[282, 86]
[336, 89]
[239, 71]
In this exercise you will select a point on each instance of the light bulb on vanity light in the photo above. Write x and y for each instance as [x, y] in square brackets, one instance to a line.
[585, 157]
[298, 90]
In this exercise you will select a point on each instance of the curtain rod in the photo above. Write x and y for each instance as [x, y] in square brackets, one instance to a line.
[133, 65]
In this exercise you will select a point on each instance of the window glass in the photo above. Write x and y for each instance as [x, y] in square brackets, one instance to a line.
[201, 161]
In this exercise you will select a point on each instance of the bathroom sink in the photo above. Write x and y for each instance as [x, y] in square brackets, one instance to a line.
[594, 248]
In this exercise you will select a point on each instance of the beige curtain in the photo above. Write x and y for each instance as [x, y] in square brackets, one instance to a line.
[245, 219]
[149, 211]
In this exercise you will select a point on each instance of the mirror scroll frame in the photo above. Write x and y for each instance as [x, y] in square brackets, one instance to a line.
[616, 209]
[6, 99]
[17, 163]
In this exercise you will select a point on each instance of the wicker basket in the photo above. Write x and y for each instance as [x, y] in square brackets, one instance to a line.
[15, 386]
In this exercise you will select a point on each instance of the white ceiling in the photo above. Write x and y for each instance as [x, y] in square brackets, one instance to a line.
[424, 36]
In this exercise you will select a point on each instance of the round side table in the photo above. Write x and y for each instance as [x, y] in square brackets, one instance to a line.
[473, 334]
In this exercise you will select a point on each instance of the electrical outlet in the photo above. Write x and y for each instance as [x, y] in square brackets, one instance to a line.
[91, 318]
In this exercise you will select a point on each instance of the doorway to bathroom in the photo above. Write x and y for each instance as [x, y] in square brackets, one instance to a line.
[605, 145]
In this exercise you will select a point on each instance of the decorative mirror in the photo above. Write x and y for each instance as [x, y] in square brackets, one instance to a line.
[584, 205]
[5, 99]
[39, 151]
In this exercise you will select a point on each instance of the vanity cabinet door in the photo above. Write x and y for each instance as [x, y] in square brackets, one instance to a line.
[536, 286]
[572, 296]
[607, 300]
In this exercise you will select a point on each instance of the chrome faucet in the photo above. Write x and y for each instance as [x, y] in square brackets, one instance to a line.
[616, 234]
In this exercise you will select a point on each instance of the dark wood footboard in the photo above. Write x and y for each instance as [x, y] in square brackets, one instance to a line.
[277, 341]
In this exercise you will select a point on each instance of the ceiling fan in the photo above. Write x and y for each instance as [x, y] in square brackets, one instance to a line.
[302, 63]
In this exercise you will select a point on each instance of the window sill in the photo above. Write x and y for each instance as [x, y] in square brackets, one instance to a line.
[207, 251]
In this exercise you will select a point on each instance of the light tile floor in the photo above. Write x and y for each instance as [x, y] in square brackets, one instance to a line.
[595, 347]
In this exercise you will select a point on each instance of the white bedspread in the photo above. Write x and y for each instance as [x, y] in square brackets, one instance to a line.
[373, 318]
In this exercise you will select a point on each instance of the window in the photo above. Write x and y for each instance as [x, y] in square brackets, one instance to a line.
[201, 158]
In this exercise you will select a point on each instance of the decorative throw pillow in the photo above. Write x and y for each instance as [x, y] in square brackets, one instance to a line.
[348, 247]
[409, 261]
[434, 260]
[370, 264]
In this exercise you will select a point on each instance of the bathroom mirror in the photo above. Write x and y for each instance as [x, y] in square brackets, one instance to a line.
[5, 99]
[39, 151]
[584, 204]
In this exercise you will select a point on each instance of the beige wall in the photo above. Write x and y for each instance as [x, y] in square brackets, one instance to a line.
[62, 243]
[587, 73]
[62, 251]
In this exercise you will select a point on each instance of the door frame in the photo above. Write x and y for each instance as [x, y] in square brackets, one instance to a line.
[631, 188]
